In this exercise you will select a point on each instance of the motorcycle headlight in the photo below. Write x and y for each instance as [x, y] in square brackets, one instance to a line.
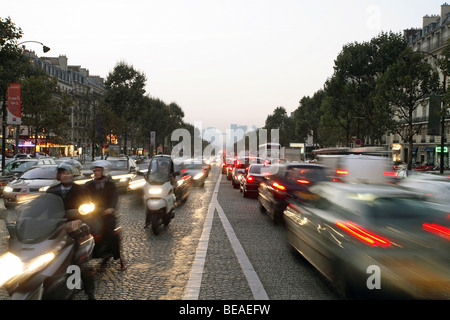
[7, 189]
[86, 208]
[155, 191]
[11, 266]
[43, 189]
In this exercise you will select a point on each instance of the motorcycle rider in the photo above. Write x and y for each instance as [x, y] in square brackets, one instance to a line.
[73, 196]
[103, 192]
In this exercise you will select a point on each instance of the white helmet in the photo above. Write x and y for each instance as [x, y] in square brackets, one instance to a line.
[106, 165]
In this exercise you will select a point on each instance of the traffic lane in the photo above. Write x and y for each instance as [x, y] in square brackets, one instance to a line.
[284, 274]
[158, 265]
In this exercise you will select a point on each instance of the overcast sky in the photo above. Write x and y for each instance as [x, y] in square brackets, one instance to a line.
[221, 61]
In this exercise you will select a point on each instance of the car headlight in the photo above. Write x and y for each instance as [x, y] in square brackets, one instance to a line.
[43, 189]
[8, 189]
[155, 191]
[198, 176]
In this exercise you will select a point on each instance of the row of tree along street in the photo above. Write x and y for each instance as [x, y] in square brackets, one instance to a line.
[129, 113]
[374, 90]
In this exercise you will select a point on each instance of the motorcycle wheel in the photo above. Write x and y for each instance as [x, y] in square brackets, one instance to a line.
[156, 223]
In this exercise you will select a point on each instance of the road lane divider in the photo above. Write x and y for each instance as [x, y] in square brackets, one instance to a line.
[195, 278]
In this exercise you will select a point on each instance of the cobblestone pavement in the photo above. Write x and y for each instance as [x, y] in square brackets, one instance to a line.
[159, 266]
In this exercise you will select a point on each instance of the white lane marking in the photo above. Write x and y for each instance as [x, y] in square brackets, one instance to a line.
[252, 278]
[195, 277]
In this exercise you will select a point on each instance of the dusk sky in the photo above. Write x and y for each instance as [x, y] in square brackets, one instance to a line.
[222, 62]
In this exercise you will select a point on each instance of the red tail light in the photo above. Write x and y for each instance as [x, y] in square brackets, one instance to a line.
[230, 168]
[390, 174]
[362, 234]
[250, 179]
[278, 186]
[303, 181]
[343, 172]
[437, 229]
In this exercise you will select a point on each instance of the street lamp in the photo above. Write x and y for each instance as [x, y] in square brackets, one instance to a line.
[44, 48]
[407, 58]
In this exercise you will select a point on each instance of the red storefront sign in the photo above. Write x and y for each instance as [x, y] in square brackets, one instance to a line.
[14, 105]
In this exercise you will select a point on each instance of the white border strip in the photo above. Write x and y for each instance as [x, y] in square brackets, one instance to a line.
[252, 278]
[195, 277]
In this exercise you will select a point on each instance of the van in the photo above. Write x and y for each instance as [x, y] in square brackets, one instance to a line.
[359, 168]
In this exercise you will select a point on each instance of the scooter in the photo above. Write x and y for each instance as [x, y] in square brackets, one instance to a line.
[45, 250]
[159, 195]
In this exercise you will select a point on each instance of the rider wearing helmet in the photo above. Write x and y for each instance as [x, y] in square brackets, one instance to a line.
[103, 192]
[73, 196]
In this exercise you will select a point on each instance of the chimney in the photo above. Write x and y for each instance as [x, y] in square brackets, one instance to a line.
[429, 19]
[445, 9]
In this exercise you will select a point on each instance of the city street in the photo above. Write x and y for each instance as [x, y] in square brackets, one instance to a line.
[218, 247]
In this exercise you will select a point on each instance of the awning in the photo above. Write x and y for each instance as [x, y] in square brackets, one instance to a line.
[430, 149]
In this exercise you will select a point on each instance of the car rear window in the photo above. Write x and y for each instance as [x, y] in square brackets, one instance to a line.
[311, 174]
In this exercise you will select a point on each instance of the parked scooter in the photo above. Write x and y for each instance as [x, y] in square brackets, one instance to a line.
[159, 195]
[43, 245]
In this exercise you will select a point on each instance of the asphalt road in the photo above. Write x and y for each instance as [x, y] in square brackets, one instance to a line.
[218, 247]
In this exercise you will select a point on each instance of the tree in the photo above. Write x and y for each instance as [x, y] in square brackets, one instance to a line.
[125, 89]
[280, 120]
[402, 87]
[307, 117]
[44, 106]
[12, 65]
[359, 65]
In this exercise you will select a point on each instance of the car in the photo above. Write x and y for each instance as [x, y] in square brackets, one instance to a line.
[239, 167]
[32, 183]
[284, 181]
[123, 171]
[359, 168]
[253, 176]
[197, 170]
[372, 240]
[432, 188]
[16, 168]
[183, 180]
[225, 162]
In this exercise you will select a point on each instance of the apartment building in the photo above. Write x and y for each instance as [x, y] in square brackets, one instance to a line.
[431, 38]
[87, 90]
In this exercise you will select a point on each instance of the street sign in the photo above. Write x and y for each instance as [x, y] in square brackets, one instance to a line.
[358, 142]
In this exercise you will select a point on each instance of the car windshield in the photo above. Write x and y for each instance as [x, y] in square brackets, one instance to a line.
[19, 166]
[40, 173]
[259, 169]
[39, 218]
[118, 164]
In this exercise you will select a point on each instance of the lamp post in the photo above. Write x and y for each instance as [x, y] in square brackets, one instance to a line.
[441, 166]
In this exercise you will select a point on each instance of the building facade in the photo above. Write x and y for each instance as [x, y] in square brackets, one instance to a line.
[86, 91]
[431, 38]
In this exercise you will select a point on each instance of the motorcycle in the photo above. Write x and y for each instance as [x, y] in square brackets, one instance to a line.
[159, 195]
[44, 247]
